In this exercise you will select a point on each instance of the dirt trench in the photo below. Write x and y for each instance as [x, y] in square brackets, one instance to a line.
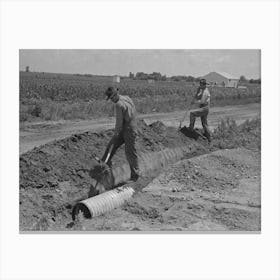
[52, 180]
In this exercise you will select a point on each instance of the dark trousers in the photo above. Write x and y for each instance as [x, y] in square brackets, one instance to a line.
[202, 113]
[128, 137]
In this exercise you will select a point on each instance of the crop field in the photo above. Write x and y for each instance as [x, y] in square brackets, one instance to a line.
[47, 96]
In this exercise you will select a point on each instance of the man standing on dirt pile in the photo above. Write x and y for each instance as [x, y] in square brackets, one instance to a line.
[202, 98]
[126, 131]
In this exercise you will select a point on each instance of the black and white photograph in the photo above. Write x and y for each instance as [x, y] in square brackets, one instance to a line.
[140, 140]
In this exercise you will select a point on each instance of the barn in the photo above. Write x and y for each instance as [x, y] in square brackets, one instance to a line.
[221, 79]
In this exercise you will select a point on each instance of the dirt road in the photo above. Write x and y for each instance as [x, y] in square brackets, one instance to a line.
[36, 134]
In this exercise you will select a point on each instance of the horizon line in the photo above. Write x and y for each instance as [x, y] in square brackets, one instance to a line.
[110, 75]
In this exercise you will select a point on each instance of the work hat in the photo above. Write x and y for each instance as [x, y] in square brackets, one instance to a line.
[203, 82]
[110, 92]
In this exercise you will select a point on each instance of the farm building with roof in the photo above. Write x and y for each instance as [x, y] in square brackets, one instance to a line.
[221, 79]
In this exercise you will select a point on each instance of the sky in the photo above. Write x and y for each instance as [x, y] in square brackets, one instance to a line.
[120, 62]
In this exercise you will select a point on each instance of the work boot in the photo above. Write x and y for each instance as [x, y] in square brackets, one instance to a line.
[208, 137]
[134, 177]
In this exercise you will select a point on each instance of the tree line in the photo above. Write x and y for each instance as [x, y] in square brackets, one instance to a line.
[243, 79]
[156, 76]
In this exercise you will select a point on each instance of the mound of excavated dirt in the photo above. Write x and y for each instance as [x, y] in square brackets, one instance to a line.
[54, 177]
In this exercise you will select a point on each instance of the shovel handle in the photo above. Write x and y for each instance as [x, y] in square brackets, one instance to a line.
[109, 153]
[107, 158]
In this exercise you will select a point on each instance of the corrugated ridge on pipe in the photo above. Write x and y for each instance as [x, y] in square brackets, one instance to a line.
[150, 161]
[103, 202]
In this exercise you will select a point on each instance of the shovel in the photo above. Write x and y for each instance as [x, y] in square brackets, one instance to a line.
[102, 162]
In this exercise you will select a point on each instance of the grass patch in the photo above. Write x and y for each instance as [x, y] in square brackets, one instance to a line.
[228, 135]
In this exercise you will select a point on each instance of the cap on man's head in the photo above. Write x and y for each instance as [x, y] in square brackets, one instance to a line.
[110, 92]
[203, 82]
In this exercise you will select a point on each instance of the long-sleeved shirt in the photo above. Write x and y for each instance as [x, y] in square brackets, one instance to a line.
[125, 113]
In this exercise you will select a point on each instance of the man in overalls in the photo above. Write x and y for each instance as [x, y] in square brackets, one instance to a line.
[202, 99]
[125, 131]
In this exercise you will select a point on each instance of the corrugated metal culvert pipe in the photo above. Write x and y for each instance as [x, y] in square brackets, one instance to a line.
[111, 199]
[149, 162]
[103, 202]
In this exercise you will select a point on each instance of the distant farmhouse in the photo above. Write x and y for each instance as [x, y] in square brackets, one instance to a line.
[221, 79]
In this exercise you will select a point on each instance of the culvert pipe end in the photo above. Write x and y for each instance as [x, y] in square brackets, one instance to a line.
[103, 202]
[80, 207]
